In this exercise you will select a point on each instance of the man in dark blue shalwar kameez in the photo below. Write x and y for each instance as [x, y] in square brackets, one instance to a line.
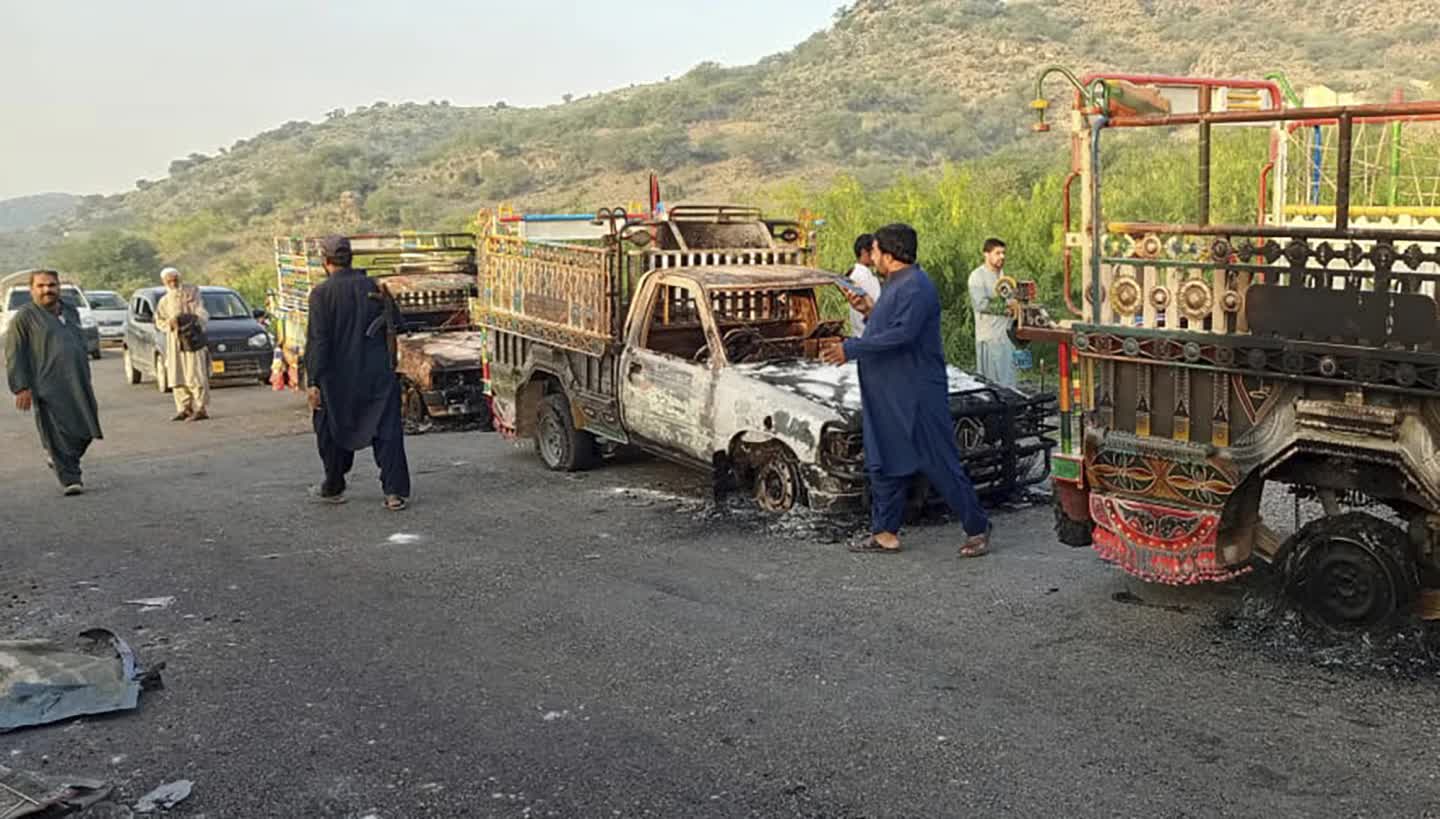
[904, 398]
[354, 393]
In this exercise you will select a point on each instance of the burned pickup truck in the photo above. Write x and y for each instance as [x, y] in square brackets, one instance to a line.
[431, 279]
[696, 336]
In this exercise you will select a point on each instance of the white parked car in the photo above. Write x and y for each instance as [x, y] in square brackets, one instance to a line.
[16, 294]
[109, 310]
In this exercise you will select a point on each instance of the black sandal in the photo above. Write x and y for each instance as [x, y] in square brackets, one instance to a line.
[871, 546]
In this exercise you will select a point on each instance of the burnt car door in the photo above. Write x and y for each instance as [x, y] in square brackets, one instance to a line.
[668, 372]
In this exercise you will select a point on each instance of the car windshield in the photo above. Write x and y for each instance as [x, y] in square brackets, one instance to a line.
[69, 295]
[225, 305]
[105, 301]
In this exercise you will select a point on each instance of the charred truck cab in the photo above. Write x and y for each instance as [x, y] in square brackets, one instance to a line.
[1294, 343]
[431, 277]
[695, 335]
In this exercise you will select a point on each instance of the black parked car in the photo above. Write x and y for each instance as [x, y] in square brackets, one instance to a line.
[239, 347]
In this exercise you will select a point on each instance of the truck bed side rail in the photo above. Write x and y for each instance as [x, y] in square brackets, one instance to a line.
[667, 259]
[560, 294]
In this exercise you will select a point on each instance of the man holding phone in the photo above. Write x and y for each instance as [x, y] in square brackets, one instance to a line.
[904, 397]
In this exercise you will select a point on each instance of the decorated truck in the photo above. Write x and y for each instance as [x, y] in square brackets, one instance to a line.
[1293, 344]
[694, 333]
[431, 277]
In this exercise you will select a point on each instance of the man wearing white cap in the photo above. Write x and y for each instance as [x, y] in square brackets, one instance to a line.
[181, 314]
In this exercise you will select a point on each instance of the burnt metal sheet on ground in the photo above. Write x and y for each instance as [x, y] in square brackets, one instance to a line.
[41, 682]
[23, 793]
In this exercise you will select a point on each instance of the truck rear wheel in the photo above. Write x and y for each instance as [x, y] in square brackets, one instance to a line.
[1351, 571]
[561, 446]
[1069, 531]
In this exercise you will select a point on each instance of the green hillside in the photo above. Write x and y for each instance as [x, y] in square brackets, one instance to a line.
[890, 85]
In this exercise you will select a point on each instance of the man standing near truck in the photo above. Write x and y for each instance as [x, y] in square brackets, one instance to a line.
[994, 352]
[354, 394]
[863, 278]
[904, 389]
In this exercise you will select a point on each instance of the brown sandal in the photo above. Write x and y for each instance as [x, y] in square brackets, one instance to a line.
[871, 546]
[977, 545]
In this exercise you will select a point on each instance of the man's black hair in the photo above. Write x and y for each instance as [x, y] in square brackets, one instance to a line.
[35, 274]
[863, 243]
[899, 241]
[991, 244]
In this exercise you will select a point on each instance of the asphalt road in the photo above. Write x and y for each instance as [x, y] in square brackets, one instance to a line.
[520, 644]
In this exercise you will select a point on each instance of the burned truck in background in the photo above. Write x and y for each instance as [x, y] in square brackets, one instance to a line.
[431, 279]
[1209, 358]
[695, 335]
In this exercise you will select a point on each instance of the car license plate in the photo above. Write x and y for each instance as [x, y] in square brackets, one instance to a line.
[217, 367]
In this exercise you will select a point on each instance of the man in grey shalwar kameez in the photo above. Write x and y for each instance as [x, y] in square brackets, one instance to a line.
[48, 371]
[186, 371]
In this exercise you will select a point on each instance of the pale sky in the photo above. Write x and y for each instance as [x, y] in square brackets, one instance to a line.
[99, 93]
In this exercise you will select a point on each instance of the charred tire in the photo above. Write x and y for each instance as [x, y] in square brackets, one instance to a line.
[162, 377]
[561, 446]
[412, 405]
[485, 417]
[1351, 572]
[777, 483]
[1069, 531]
[132, 375]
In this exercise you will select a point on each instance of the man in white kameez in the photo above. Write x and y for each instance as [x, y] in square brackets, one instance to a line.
[994, 352]
[188, 372]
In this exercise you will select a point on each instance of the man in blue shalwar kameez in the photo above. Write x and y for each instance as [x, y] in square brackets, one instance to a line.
[904, 398]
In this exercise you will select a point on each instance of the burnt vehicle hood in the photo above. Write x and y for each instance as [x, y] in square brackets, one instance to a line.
[458, 350]
[838, 388]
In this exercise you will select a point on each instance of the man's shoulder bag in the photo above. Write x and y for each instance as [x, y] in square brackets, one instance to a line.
[192, 335]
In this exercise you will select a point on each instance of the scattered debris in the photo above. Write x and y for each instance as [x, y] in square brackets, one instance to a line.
[1267, 621]
[551, 716]
[152, 603]
[1130, 599]
[41, 683]
[403, 538]
[23, 793]
[165, 797]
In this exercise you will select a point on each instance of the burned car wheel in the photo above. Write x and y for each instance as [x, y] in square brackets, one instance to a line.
[777, 484]
[1351, 571]
[562, 447]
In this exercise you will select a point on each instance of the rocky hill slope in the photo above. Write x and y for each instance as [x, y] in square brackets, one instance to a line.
[889, 85]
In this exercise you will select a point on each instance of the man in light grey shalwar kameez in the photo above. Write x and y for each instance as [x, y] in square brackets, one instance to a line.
[994, 352]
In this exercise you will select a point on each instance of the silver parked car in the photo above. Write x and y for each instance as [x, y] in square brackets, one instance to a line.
[109, 311]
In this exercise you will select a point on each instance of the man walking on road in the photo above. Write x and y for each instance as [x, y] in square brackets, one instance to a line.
[354, 395]
[863, 278]
[181, 314]
[48, 370]
[904, 391]
[994, 352]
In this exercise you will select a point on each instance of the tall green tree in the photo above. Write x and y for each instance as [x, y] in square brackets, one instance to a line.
[108, 260]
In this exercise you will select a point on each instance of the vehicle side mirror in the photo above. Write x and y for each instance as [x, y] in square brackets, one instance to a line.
[259, 313]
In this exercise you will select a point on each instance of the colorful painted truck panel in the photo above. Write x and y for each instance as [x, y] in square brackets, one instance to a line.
[1206, 359]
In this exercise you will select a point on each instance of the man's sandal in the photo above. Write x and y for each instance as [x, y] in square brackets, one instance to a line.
[871, 546]
[977, 545]
[395, 503]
